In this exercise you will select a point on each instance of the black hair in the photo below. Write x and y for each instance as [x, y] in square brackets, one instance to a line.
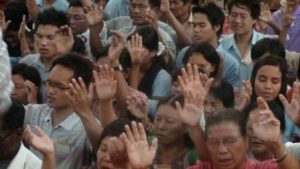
[214, 14]
[154, 3]
[223, 91]
[14, 11]
[52, 17]
[13, 118]
[267, 46]
[79, 45]
[208, 52]
[75, 3]
[81, 67]
[252, 5]
[272, 61]
[226, 115]
[276, 109]
[114, 129]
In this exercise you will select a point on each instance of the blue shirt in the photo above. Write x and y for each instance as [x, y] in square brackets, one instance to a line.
[59, 5]
[116, 8]
[230, 67]
[228, 44]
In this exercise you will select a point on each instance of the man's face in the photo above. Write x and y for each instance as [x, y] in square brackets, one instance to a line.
[20, 91]
[77, 20]
[45, 40]
[179, 8]
[137, 11]
[202, 29]
[9, 143]
[57, 85]
[241, 20]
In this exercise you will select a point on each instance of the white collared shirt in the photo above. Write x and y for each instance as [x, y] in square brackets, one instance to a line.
[25, 160]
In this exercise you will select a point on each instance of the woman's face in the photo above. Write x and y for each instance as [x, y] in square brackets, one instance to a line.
[212, 104]
[267, 82]
[226, 146]
[256, 146]
[169, 128]
[202, 63]
[103, 158]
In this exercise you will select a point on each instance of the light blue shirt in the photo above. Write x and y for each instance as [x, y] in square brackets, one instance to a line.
[228, 44]
[230, 67]
[59, 5]
[116, 8]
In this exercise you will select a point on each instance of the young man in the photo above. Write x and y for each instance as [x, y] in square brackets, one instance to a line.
[14, 155]
[68, 125]
[50, 44]
[207, 27]
[243, 14]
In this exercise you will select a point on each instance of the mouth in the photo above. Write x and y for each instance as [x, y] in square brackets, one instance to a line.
[225, 162]
[50, 99]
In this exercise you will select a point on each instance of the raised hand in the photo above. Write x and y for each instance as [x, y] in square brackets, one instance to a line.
[22, 30]
[94, 14]
[118, 153]
[65, 40]
[140, 154]
[105, 85]
[3, 23]
[80, 97]
[32, 8]
[151, 19]
[136, 50]
[287, 18]
[265, 126]
[293, 109]
[165, 6]
[32, 92]
[39, 140]
[265, 13]
[117, 45]
[242, 99]
[139, 108]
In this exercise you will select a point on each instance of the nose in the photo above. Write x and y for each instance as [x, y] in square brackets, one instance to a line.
[44, 41]
[160, 125]
[268, 85]
[222, 148]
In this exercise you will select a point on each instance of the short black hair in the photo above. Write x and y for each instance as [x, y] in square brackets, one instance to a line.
[13, 118]
[75, 3]
[52, 17]
[154, 3]
[252, 5]
[81, 67]
[268, 46]
[208, 52]
[226, 115]
[223, 91]
[14, 11]
[27, 73]
[215, 14]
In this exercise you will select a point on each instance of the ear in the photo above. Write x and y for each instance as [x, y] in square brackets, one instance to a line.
[153, 53]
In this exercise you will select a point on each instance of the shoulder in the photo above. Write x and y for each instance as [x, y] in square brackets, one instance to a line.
[201, 165]
[30, 59]
[268, 164]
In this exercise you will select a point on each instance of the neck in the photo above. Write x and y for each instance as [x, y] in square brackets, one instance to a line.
[244, 38]
[183, 18]
[241, 166]
[48, 62]
[170, 151]
[60, 114]
[214, 42]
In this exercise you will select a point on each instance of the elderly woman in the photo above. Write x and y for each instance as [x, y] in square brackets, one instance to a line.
[225, 140]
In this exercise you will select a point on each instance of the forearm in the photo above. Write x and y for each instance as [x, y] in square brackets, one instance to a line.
[48, 161]
[134, 77]
[95, 40]
[92, 128]
[197, 136]
[24, 47]
[284, 162]
[183, 37]
[275, 27]
[283, 34]
[107, 112]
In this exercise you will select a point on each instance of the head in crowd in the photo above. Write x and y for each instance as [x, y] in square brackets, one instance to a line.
[14, 11]
[208, 22]
[21, 73]
[268, 78]
[11, 131]
[169, 129]
[205, 57]
[138, 8]
[220, 96]
[267, 46]
[256, 146]
[48, 24]
[114, 129]
[77, 17]
[79, 46]
[181, 8]
[227, 126]
[243, 14]
[63, 70]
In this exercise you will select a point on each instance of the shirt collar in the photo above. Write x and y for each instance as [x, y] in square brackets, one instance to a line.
[67, 124]
[230, 40]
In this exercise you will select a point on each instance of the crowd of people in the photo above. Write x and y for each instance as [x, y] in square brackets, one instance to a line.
[162, 84]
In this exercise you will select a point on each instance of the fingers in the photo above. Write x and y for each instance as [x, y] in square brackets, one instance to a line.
[142, 132]
[284, 101]
[153, 147]
[262, 104]
[120, 36]
[178, 107]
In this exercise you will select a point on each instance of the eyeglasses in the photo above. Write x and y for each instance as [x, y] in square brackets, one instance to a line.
[226, 141]
[56, 86]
